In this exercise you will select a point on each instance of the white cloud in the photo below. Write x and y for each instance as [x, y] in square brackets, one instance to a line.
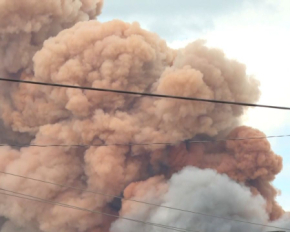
[175, 19]
[260, 39]
[265, 52]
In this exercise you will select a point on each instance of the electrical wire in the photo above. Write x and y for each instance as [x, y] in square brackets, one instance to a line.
[144, 94]
[143, 144]
[141, 202]
[33, 198]
[141, 94]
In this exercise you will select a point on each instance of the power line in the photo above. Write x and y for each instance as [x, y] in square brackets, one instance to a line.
[143, 144]
[32, 198]
[145, 94]
[84, 145]
[141, 202]
[37, 199]
[151, 95]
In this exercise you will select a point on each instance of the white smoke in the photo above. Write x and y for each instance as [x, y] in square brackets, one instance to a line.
[196, 190]
[283, 222]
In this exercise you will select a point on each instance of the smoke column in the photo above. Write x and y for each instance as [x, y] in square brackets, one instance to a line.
[60, 41]
[182, 192]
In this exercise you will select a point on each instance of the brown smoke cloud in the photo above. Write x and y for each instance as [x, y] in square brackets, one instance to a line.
[25, 25]
[251, 162]
[35, 45]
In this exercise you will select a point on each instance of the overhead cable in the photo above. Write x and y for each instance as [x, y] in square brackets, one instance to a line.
[33, 198]
[141, 202]
[142, 144]
[144, 94]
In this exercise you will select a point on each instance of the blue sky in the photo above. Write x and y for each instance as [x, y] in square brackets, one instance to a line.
[255, 32]
[282, 148]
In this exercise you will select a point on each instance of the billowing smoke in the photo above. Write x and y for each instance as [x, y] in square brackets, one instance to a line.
[35, 45]
[25, 25]
[251, 162]
[194, 190]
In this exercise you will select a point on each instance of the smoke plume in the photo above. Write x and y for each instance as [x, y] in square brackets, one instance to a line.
[194, 190]
[59, 41]
[25, 25]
